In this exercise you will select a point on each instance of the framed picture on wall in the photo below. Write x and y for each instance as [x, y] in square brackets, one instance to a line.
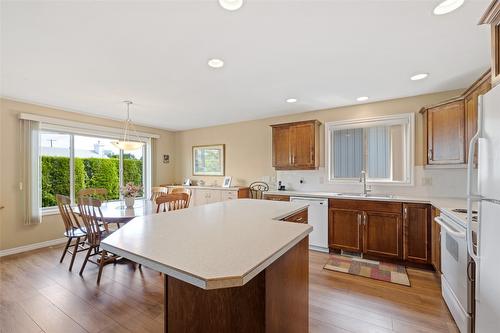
[227, 181]
[208, 160]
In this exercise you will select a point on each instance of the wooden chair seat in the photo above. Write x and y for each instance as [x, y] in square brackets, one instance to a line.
[81, 232]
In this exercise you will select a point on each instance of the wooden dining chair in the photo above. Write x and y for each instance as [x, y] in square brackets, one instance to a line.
[90, 211]
[172, 201]
[96, 193]
[157, 191]
[73, 229]
[182, 190]
[257, 190]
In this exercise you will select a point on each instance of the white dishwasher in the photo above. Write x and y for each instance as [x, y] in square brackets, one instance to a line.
[317, 216]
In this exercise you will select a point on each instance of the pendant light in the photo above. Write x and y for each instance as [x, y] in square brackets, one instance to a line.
[127, 143]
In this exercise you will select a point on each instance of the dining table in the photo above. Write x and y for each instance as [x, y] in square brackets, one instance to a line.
[117, 212]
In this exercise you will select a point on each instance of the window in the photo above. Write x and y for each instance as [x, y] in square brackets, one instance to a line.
[73, 161]
[382, 147]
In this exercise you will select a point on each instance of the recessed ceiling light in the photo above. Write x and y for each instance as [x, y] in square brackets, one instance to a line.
[291, 100]
[231, 4]
[362, 98]
[419, 76]
[216, 63]
[447, 6]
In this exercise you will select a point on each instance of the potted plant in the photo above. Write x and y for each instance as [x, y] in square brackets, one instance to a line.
[129, 192]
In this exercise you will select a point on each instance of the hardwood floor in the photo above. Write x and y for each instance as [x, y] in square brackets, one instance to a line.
[37, 294]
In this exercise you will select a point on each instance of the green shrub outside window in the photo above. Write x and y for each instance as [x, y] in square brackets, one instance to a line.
[89, 172]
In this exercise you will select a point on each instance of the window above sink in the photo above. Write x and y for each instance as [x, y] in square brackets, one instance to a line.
[383, 147]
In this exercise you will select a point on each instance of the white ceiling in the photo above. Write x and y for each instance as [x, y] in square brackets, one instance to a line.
[89, 56]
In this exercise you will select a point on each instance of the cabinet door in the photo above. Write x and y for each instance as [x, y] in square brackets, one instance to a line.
[445, 134]
[345, 230]
[214, 196]
[281, 147]
[471, 113]
[382, 234]
[302, 142]
[229, 195]
[417, 233]
[200, 197]
[436, 241]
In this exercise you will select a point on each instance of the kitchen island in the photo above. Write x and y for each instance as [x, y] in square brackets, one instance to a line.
[231, 266]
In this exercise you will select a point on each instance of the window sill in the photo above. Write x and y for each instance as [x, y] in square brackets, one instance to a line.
[50, 211]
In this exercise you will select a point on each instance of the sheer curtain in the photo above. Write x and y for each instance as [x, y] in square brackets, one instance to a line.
[30, 171]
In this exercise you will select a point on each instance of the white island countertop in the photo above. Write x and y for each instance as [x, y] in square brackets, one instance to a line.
[220, 245]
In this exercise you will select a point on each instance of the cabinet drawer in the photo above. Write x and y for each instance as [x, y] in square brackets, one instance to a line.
[276, 197]
[229, 195]
[300, 217]
[367, 205]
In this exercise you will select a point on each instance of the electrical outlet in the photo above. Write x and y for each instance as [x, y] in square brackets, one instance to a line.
[426, 181]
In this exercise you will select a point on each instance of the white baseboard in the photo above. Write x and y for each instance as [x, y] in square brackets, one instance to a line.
[30, 247]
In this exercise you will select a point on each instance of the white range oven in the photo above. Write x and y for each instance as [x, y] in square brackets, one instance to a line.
[457, 268]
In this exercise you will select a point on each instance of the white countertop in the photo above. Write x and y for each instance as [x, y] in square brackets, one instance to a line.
[441, 203]
[219, 245]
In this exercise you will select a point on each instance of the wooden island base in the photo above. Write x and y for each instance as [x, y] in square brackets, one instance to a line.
[276, 300]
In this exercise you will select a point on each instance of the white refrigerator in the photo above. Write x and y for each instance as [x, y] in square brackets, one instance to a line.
[487, 196]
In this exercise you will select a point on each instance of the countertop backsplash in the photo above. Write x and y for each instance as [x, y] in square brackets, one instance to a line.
[427, 182]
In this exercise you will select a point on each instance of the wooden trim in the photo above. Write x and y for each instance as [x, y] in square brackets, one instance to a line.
[316, 122]
[485, 77]
[491, 13]
[30, 247]
[451, 100]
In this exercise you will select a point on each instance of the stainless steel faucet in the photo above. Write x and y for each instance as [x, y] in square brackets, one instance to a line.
[362, 179]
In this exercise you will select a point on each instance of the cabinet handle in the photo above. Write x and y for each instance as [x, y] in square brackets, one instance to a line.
[429, 154]
[364, 218]
[293, 159]
[299, 219]
[405, 212]
[359, 219]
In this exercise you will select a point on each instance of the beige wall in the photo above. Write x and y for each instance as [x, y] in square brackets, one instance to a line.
[13, 232]
[248, 153]
[248, 144]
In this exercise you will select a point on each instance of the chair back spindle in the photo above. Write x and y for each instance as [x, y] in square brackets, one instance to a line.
[173, 201]
[257, 190]
[90, 210]
[157, 191]
[68, 216]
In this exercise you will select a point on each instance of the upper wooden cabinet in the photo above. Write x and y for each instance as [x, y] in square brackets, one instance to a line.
[492, 17]
[445, 133]
[296, 145]
[480, 87]
[449, 126]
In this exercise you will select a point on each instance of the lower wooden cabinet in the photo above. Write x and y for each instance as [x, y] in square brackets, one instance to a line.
[435, 241]
[381, 229]
[417, 232]
[363, 226]
[382, 234]
[345, 231]
[276, 197]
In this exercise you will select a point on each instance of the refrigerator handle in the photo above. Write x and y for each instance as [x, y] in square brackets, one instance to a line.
[470, 195]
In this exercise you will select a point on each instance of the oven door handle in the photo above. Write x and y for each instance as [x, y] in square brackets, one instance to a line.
[448, 229]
